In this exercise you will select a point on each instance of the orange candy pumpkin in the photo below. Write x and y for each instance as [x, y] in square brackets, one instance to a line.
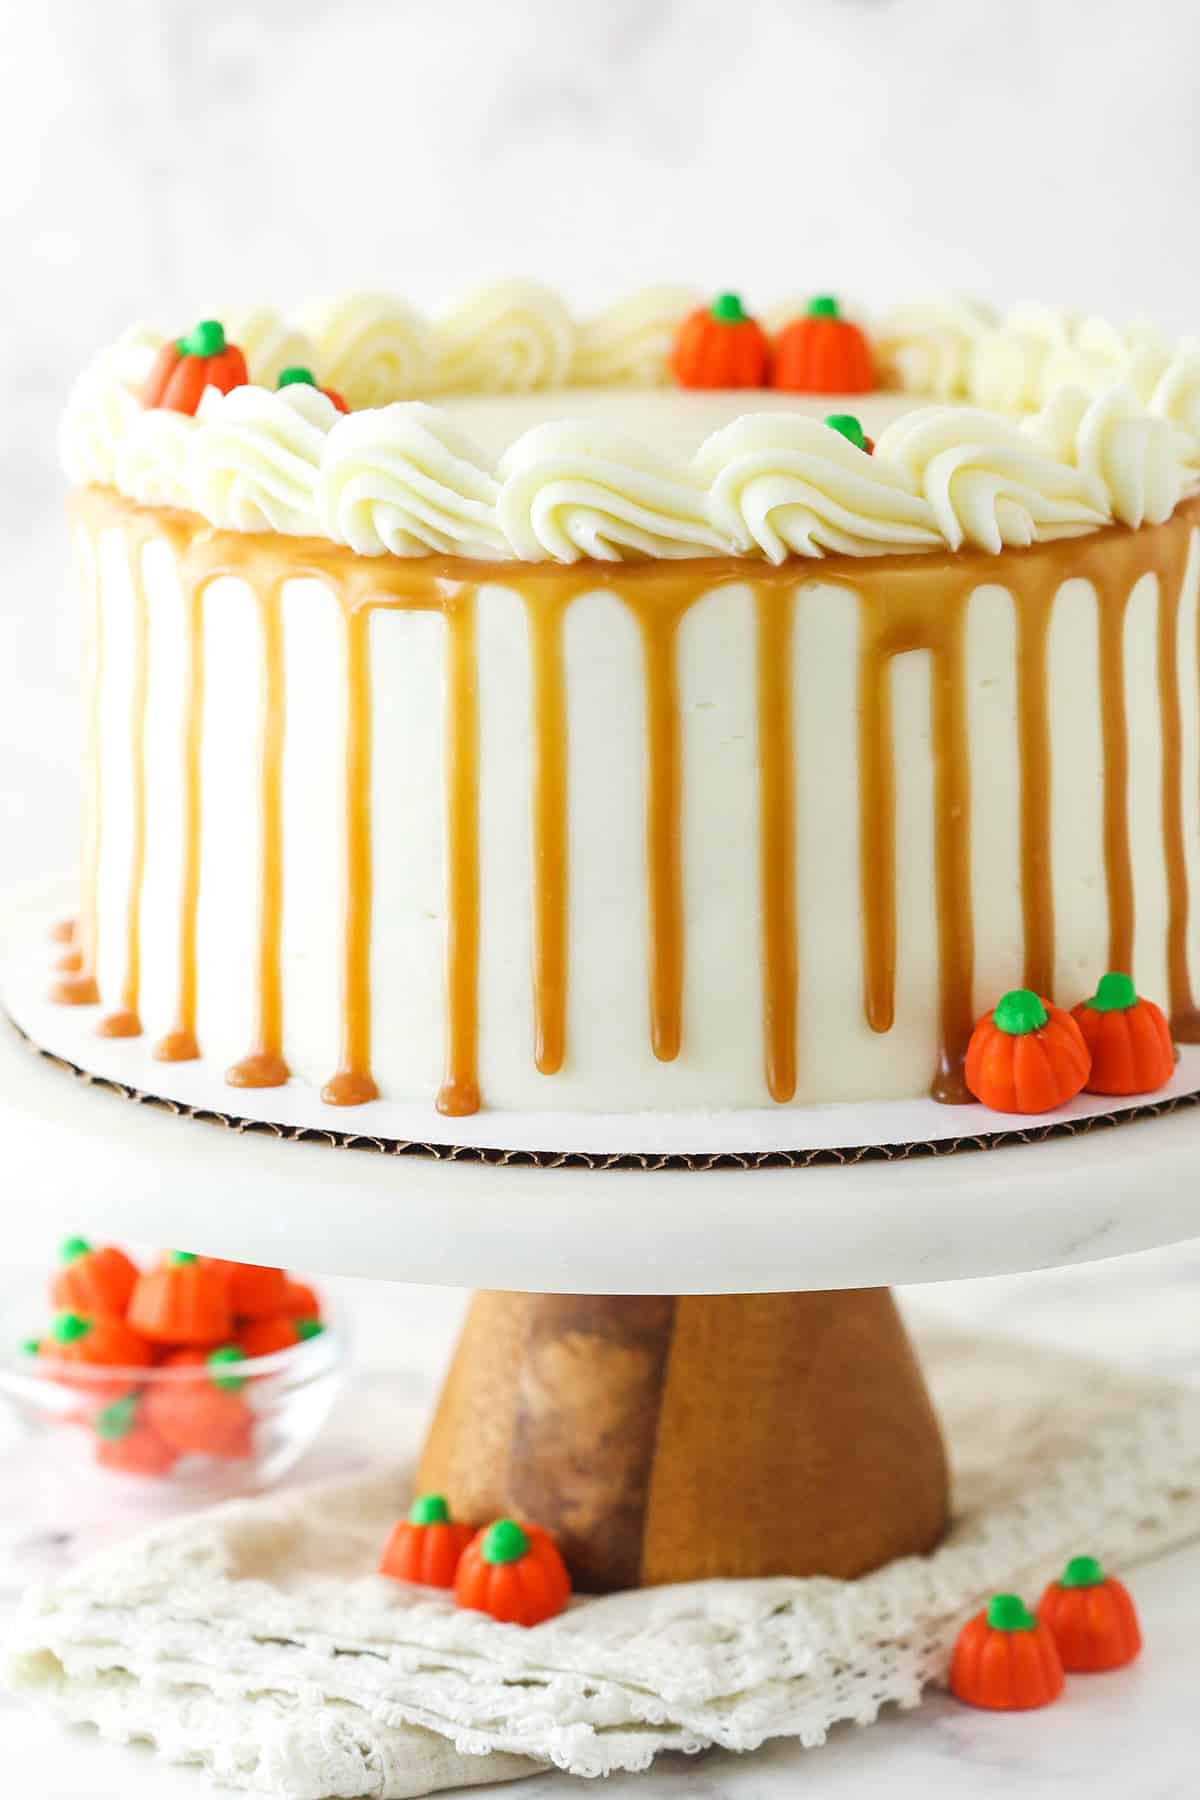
[1128, 1039]
[185, 366]
[76, 1341]
[1026, 1055]
[299, 1300]
[1092, 1618]
[1006, 1659]
[255, 1291]
[426, 1546]
[306, 378]
[183, 1301]
[822, 353]
[93, 1281]
[207, 1416]
[720, 346]
[126, 1443]
[264, 1337]
[513, 1573]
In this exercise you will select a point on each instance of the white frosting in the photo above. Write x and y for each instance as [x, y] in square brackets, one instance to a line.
[1137, 459]
[1005, 369]
[926, 348]
[509, 336]
[630, 341]
[403, 480]
[570, 492]
[988, 483]
[103, 404]
[1176, 394]
[269, 343]
[783, 484]
[152, 458]
[370, 348]
[253, 464]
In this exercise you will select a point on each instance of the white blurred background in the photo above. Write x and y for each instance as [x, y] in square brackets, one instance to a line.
[161, 157]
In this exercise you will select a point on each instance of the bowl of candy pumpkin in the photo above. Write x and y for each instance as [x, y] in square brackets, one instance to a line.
[186, 1369]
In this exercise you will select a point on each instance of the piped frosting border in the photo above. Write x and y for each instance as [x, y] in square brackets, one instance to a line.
[1085, 426]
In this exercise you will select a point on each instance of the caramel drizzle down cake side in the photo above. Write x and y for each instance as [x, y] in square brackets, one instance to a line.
[903, 604]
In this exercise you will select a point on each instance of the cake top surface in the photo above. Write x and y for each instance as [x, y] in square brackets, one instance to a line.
[665, 426]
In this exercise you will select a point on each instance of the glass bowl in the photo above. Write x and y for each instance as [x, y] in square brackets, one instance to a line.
[202, 1431]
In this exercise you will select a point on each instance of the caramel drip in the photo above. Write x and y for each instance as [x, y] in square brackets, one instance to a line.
[353, 1083]
[1185, 1021]
[1033, 740]
[179, 1045]
[63, 931]
[265, 1065]
[777, 838]
[126, 1022]
[459, 1092]
[80, 986]
[905, 603]
[549, 829]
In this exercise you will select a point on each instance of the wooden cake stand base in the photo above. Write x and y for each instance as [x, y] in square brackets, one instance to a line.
[667, 1439]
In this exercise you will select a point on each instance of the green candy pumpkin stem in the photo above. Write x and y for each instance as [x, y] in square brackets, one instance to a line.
[1019, 1012]
[205, 339]
[1082, 1572]
[69, 1327]
[1008, 1612]
[296, 377]
[822, 306]
[429, 1509]
[116, 1421]
[1114, 993]
[728, 308]
[72, 1248]
[847, 426]
[181, 1258]
[220, 1362]
[504, 1542]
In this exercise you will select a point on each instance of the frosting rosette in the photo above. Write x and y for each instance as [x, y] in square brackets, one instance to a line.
[783, 484]
[253, 461]
[988, 482]
[104, 402]
[402, 480]
[269, 342]
[926, 348]
[370, 348]
[1137, 459]
[570, 491]
[1007, 367]
[1176, 394]
[629, 343]
[509, 337]
[151, 461]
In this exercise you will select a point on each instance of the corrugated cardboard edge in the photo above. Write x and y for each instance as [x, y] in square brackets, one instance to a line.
[845, 1155]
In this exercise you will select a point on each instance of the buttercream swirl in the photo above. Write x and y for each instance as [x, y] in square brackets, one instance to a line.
[569, 491]
[629, 343]
[370, 348]
[152, 458]
[782, 483]
[252, 463]
[104, 402]
[269, 343]
[402, 480]
[1138, 460]
[988, 483]
[926, 347]
[1176, 394]
[509, 337]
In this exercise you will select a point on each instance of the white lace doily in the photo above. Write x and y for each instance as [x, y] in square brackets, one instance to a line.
[255, 1639]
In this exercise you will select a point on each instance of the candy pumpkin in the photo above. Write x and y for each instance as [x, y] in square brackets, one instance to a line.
[185, 366]
[514, 1573]
[306, 378]
[93, 1281]
[720, 346]
[847, 426]
[1005, 1659]
[1128, 1039]
[264, 1337]
[426, 1546]
[1092, 1618]
[255, 1291]
[299, 1300]
[183, 1301]
[1026, 1055]
[126, 1443]
[77, 1342]
[822, 353]
[206, 1416]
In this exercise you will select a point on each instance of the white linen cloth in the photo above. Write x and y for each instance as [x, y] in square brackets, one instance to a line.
[256, 1640]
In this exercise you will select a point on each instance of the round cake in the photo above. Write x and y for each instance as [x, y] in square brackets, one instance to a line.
[652, 713]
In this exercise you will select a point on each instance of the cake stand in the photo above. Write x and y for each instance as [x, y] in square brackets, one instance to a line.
[682, 1373]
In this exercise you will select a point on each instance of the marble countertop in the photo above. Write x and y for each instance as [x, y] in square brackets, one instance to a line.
[1129, 1733]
